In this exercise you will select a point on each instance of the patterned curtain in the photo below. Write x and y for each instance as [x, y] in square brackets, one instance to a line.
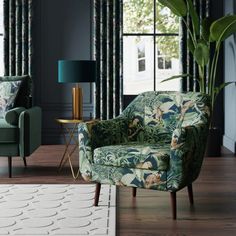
[108, 54]
[18, 37]
[188, 65]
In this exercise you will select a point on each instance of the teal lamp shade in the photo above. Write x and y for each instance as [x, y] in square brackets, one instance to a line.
[76, 71]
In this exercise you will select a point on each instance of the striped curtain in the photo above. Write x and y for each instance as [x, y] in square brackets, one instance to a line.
[108, 54]
[18, 37]
[187, 63]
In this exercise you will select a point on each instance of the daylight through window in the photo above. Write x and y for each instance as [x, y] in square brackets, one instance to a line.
[150, 46]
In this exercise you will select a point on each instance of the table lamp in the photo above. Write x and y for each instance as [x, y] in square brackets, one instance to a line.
[76, 71]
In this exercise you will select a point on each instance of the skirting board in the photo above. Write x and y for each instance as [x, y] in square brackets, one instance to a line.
[229, 143]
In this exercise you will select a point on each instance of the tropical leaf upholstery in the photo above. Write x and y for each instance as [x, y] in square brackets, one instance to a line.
[158, 142]
[134, 155]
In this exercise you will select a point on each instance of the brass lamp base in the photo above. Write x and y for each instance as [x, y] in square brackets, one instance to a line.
[77, 101]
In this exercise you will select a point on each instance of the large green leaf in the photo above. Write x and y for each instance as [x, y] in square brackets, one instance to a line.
[223, 85]
[223, 28]
[178, 7]
[205, 28]
[201, 54]
[182, 76]
[194, 16]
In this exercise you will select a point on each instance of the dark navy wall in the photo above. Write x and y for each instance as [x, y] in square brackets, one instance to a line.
[62, 29]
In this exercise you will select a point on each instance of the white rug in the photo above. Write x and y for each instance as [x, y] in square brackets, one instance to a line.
[56, 210]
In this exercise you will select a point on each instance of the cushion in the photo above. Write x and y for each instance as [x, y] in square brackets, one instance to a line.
[8, 93]
[12, 116]
[8, 133]
[23, 97]
[134, 155]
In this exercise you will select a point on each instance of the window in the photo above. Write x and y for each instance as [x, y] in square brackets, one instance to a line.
[141, 57]
[1, 39]
[163, 62]
[150, 47]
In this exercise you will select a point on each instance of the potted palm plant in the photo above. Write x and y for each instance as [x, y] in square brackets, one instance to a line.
[204, 36]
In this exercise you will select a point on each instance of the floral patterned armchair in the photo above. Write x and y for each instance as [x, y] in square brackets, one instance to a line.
[158, 142]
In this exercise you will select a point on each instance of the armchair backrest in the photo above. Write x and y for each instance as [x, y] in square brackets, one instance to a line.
[23, 98]
[153, 116]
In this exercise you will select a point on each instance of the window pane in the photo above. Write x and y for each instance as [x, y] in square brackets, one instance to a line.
[141, 50]
[167, 48]
[138, 16]
[138, 73]
[160, 63]
[141, 65]
[168, 64]
[166, 22]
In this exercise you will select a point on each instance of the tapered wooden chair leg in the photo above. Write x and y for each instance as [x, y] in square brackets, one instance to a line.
[10, 167]
[173, 204]
[97, 194]
[190, 194]
[25, 163]
[134, 191]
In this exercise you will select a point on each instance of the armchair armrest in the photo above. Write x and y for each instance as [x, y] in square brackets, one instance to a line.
[97, 134]
[30, 130]
[186, 155]
[12, 116]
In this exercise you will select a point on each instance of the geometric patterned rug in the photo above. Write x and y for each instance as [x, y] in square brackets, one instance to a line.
[56, 209]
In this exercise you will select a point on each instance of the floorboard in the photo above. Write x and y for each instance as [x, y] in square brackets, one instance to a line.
[214, 213]
[42, 167]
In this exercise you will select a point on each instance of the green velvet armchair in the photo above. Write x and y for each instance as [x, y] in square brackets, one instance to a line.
[158, 143]
[20, 128]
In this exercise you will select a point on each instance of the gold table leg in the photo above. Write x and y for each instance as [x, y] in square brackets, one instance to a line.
[67, 155]
[67, 144]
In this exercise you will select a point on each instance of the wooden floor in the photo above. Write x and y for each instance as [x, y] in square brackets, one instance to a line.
[150, 213]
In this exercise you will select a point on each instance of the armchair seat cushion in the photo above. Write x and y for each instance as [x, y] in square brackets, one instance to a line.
[134, 155]
[8, 133]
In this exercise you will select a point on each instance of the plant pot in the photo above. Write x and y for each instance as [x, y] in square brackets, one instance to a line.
[214, 141]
